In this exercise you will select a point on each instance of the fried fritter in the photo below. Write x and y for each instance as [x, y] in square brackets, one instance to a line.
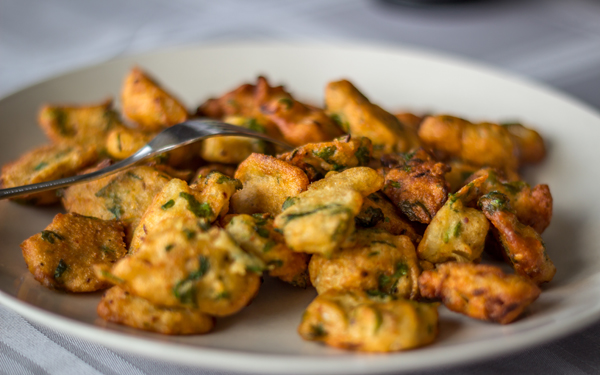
[479, 291]
[319, 219]
[409, 120]
[457, 232]
[352, 320]
[255, 235]
[529, 143]
[46, 163]
[459, 174]
[359, 117]
[227, 170]
[234, 149]
[147, 104]
[417, 186]
[316, 159]
[63, 255]
[372, 260]
[267, 182]
[523, 247]
[119, 306]
[378, 212]
[533, 206]
[123, 196]
[180, 265]
[483, 144]
[216, 189]
[175, 200]
[86, 125]
[300, 123]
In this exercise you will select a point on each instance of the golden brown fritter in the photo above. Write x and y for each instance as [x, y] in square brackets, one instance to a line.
[350, 319]
[479, 291]
[267, 183]
[459, 174]
[46, 163]
[180, 265]
[529, 143]
[457, 232]
[417, 186]
[227, 170]
[216, 189]
[147, 104]
[316, 159]
[319, 219]
[533, 206]
[119, 306]
[409, 120]
[300, 123]
[483, 144]
[255, 235]
[123, 196]
[359, 117]
[63, 255]
[234, 149]
[378, 212]
[372, 260]
[175, 200]
[86, 125]
[523, 246]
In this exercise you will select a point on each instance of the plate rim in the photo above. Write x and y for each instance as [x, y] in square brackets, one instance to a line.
[277, 363]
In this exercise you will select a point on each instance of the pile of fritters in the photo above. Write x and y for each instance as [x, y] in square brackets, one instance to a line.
[385, 215]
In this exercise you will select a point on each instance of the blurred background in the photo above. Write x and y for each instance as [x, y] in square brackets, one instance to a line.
[553, 41]
[556, 42]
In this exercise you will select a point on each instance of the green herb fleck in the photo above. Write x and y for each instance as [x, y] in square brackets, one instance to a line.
[317, 331]
[275, 263]
[290, 201]
[395, 184]
[202, 210]
[41, 165]
[189, 234]
[169, 247]
[325, 153]
[255, 269]
[60, 269]
[50, 236]
[376, 293]
[133, 175]
[252, 124]
[289, 103]
[457, 229]
[223, 295]
[363, 155]
[170, 203]
[264, 233]
[185, 290]
[268, 246]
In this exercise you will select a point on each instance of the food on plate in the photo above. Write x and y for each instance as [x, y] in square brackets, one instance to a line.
[256, 235]
[319, 219]
[317, 159]
[359, 117]
[148, 105]
[479, 291]
[372, 260]
[63, 255]
[182, 265]
[267, 183]
[384, 215]
[119, 306]
[351, 319]
[415, 183]
[523, 247]
[46, 163]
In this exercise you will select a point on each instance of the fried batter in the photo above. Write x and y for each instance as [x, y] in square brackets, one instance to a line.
[523, 246]
[180, 265]
[119, 306]
[148, 104]
[267, 182]
[46, 163]
[479, 291]
[255, 235]
[417, 186]
[319, 219]
[216, 190]
[62, 256]
[457, 232]
[483, 144]
[529, 143]
[372, 260]
[316, 159]
[227, 170]
[378, 212]
[86, 125]
[353, 320]
[359, 117]
[123, 196]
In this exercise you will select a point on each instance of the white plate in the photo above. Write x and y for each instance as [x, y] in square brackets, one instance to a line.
[263, 338]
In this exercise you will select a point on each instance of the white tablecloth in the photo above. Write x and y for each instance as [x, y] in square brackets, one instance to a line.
[554, 41]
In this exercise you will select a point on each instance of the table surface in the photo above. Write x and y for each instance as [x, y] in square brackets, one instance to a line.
[556, 42]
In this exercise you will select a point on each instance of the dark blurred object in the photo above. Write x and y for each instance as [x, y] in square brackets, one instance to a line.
[423, 3]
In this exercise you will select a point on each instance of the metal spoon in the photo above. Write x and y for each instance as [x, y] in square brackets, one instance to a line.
[171, 138]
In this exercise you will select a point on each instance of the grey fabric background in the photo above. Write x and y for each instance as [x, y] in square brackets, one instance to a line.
[553, 41]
